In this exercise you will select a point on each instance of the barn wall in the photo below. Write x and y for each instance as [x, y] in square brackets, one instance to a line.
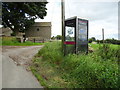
[5, 31]
[43, 32]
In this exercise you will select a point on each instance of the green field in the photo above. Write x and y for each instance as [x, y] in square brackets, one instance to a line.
[12, 41]
[96, 46]
[95, 70]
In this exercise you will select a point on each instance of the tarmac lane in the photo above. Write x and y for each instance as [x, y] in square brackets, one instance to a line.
[14, 73]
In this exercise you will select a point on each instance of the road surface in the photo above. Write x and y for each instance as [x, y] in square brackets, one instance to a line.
[15, 71]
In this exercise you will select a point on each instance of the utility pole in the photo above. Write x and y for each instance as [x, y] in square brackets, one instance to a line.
[63, 22]
[103, 34]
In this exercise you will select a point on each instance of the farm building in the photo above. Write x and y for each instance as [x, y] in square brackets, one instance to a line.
[39, 31]
[5, 32]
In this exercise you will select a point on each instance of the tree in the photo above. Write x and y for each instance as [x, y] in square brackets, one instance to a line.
[59, 37]
[111, 41]
[19, 16]
[92, 39]
[53, 37]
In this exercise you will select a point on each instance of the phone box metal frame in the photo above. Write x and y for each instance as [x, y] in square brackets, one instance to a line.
[75, 35]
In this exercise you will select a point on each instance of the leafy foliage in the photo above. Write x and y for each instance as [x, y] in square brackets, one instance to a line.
[21, 15]
[112, 41]
[58, 37]
[91, 39]
[106, 52]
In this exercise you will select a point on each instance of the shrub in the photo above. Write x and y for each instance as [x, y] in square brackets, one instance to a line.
[107, 53]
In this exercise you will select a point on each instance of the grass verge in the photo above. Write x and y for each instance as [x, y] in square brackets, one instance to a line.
[95, 70]
[12, 41]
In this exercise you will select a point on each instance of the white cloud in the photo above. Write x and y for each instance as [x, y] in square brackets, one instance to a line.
[103, 14]
[54, 16]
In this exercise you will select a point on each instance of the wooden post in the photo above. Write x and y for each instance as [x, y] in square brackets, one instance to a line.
[103, 34]
[63, 22]
[34, 40]
[43, 40]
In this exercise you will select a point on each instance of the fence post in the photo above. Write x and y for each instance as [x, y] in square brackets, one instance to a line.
[34, 40]
[43, 40]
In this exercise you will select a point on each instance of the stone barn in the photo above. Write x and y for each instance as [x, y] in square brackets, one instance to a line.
[5, 32]
[40, 31]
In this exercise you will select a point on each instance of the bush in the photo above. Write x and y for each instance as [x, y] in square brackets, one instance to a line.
[111, 41]
[107, 53]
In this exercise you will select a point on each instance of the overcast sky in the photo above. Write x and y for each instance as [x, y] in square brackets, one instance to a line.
[103, 14]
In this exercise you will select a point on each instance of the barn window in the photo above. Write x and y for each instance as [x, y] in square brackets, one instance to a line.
[37, 29]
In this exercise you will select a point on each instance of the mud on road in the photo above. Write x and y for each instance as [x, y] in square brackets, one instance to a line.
[21, 55]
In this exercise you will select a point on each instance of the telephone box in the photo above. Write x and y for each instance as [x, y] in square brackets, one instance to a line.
[76, 35]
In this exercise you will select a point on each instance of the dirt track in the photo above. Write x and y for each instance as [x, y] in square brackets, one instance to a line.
[15, 71]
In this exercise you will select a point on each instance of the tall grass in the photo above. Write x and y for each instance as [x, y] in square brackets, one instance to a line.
[95, 70]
